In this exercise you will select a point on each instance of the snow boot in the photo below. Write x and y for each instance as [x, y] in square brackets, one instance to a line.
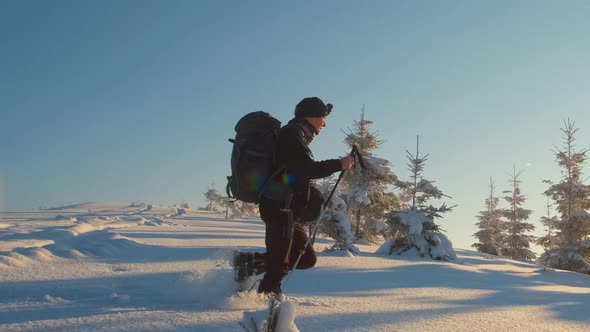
[248, 264]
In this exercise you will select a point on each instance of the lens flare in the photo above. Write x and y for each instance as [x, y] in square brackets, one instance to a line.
[255, 181]
[287, 179]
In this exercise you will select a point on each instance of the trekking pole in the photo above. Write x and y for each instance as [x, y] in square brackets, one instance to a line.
[354, 153]
[316, 223]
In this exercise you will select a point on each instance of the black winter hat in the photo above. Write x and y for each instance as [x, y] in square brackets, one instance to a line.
[312, 107]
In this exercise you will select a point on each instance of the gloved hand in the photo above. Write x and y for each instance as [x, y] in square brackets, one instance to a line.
[347, 162]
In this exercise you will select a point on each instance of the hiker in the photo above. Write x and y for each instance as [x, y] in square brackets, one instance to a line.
[286, 239]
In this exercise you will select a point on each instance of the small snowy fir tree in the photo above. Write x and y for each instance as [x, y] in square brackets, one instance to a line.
[569, 247]
[368, 195]
[491, 226]
[517, 243]
[214, 199]
[414, 227]
[335, 223]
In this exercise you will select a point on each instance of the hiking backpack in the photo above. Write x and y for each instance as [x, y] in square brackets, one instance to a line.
[252, 158]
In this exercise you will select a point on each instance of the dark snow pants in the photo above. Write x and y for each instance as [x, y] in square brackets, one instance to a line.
[282, 251]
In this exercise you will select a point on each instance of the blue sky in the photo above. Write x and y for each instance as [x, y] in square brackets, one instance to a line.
[135, 100]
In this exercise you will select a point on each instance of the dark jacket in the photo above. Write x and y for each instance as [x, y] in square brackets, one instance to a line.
[293, 153]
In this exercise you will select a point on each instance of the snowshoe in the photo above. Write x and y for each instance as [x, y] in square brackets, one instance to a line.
[248, 264]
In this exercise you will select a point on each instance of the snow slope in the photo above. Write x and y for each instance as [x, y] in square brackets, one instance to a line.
[114, 267]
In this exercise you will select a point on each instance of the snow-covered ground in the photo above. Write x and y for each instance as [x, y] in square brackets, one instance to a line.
[116, 267]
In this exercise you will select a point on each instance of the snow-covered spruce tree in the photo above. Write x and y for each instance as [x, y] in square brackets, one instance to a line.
[368, 196]
[335, 223]
[414, 227]
[214, 199]
[491, 226]
[569, 248]
[517, 242]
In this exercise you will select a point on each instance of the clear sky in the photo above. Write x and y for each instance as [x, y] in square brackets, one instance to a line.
[135, 100]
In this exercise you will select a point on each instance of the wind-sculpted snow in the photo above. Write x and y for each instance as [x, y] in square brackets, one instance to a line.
[145, 208]
[114, 272]
[88, 234]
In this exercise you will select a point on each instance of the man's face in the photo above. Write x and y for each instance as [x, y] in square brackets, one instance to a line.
[318, 123]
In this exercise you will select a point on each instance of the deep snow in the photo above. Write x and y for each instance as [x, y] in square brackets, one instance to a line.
[115, 267]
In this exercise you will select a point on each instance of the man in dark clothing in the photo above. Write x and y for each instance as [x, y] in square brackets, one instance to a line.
[284, 239]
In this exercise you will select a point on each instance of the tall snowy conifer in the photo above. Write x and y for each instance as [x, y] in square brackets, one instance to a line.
[570, 246]
[517, 242]
[414, 227]
[368, 190]
[491, 226]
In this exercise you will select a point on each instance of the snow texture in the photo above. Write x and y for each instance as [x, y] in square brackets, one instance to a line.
[414, 220]
[109, 273]
[359, 195]
[285, 318]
